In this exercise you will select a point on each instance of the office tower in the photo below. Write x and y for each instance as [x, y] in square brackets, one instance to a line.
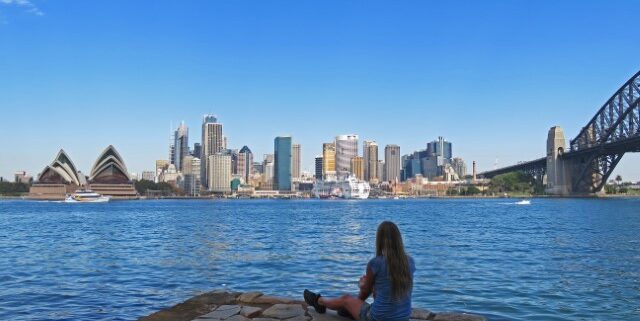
[346, 149]
[219, 173]
[180, 145]
[319, 169]
[459, 167]
[357, 167]
[282, 150]
[370, 155]
[212, 143]
[245, 163]
[381, 171]
[188, 161]
[267, 167]
[328, 159]
[197, 150]
[392, 162]
[295, 159]
[148, 176]
[440, 147]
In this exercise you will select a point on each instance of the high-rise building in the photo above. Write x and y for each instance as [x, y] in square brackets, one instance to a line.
[440, 147]
[295, 159]
[212, 143]
[219, 173]
[319, 170]
[161, 165]
[346, 149]
[357, 167]
[180, 145]
[148, 176]
[328, 159]
[245, 163]
[459, 167]
[282, 150]
[197, 150]
[267, 176]
[370, 155]
[381, 171]
[190, 182]
[392, 162]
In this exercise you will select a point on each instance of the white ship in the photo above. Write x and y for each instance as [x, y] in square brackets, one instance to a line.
[349, 188]
[86, 196]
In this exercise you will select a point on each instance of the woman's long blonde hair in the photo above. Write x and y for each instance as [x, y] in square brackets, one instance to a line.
[389, 244]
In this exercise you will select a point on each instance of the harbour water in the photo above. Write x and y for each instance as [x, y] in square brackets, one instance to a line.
[556, 259]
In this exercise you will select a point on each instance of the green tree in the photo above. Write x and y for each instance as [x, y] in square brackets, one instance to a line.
[513, 182]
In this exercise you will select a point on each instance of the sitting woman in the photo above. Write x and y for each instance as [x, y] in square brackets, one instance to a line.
[389, 278]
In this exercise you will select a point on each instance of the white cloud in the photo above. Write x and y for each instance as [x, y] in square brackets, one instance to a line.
[26, 4]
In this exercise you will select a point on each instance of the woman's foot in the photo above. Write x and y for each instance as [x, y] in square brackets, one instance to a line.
[312, 300]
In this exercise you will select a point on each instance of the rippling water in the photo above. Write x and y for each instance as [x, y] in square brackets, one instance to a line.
[556, 259]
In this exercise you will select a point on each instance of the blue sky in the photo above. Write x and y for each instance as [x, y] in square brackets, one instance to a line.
[491, 77]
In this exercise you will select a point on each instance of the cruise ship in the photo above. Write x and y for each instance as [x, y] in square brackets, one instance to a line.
[348, 188]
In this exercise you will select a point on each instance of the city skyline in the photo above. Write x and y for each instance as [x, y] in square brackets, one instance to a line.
[513, 72]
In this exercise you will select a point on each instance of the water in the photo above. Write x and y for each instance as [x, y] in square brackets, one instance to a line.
[561, 259]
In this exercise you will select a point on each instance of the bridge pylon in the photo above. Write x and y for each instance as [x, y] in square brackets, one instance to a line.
[558, 169]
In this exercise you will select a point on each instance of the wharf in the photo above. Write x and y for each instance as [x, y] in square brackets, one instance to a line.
[238, 306]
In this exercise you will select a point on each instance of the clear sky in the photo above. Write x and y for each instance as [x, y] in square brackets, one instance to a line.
[491, 77]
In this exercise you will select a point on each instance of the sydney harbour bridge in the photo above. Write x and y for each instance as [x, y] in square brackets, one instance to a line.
[585, 166]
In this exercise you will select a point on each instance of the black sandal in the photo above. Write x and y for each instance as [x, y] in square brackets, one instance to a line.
[312, 300]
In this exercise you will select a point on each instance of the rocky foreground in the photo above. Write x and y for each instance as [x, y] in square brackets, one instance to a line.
[237, 306]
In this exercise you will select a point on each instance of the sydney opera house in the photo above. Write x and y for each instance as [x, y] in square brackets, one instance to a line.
[109, 177]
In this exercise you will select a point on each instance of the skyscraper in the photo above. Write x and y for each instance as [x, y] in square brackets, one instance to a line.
[459, 167]
[370, 155]
[328, 159]
[296, 162]
[392, 162]
[346, 149]
[245, 163]
[319, 169]
[282, 150]
[219, 173]
[440, 147]
[381, 171]
[357, 167]
[212, 142]
[267, 176]
[181, 146]
[197, 150]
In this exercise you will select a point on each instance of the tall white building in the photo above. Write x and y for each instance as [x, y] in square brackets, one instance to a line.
[181, 146]
[212, 143]
[295, 159]
[219, 172]
[346, 149]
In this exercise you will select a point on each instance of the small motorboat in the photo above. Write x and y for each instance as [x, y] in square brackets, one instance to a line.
[86, 196]
[523, 202]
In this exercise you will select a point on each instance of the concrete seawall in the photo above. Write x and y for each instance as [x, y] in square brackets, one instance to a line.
[238, 306]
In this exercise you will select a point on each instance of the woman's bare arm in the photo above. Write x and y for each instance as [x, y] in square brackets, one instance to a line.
[366, 284]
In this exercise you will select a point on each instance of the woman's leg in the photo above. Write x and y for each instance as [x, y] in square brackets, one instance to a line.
[350, 303]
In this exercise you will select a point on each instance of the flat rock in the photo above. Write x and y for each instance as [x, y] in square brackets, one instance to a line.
[299, 318]
[421, 314]
[265, 319]
[272, 300]
[250, 312]
[449, 316]
[222, 312]
[236, 317]
[284, 311]
[248, 297]
[329, 316]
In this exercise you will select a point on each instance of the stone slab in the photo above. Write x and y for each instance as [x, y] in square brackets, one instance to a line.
[222, 312]
[248, 297]
[284, 311]
[236, 317]
[272, 300]
[450, 316]
[250, 312]
[421, 314]
[265, 319]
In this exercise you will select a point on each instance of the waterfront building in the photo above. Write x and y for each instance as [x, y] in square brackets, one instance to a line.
[149, 176]
[245, 163]
[392, 162]
[180, 145]
[440, 147]
[319, 169]
[109, 176]
[328, 159]
[57, 179]
[295, 160]
[370, 157]
[282, 163]
[219, 171]
[212, 143]
[357, 167]
[459, 167]
[346, 149]
[191, 176]
[22, 177]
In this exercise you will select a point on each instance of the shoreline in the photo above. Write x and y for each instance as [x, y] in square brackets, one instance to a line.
[221, 305]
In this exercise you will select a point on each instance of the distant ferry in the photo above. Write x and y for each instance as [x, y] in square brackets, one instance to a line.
[349, 188]
[86, 196]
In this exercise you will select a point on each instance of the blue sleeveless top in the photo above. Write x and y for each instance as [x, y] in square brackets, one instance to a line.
[383, 307]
